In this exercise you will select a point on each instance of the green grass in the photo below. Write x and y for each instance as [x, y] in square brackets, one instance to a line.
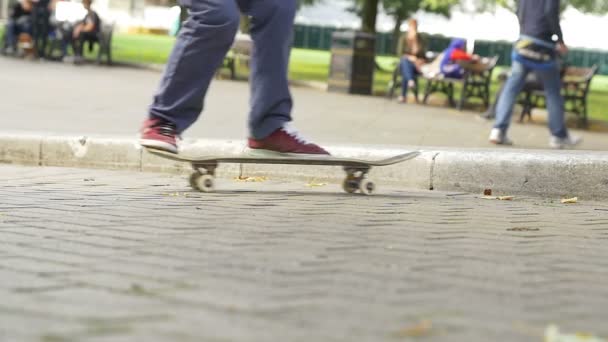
[150, 49]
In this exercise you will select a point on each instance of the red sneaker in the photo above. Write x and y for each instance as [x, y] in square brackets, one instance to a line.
[159, 134]
[285, 141]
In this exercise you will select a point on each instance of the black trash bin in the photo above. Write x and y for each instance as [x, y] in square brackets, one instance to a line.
[352, 62]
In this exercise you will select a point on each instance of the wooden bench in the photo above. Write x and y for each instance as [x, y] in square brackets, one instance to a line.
[576, 82]
[475, 83]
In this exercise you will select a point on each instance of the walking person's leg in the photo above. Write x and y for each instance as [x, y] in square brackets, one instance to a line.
[271, 101]
[552, 84]
[506, 102]
[199, 50]
[408, 71]
[11, 35]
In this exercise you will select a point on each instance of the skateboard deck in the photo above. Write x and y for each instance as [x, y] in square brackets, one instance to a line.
[356, 169]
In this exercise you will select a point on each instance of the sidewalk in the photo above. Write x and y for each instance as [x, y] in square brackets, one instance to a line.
[90, 100]
[85, 256]
[89, 117]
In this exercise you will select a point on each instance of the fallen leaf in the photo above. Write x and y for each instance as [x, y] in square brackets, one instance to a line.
[570, 200]
[313, 184]
[250, 179]
[552, 334]
[421, 329]
[177, 194]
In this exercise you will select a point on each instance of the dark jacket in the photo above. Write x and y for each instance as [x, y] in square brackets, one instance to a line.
[540, 19]
[17, 11]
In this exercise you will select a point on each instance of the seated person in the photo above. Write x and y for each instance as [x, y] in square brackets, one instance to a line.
[20, 22]
[455, 53]
[413, 58]
[84, 31]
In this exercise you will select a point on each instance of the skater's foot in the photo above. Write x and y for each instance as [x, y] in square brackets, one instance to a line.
[159, 134]
[402, 99]
[285, 141]
[499, 137]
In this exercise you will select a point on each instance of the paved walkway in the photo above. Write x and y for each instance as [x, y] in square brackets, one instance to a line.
[91, 255]
[90, 100]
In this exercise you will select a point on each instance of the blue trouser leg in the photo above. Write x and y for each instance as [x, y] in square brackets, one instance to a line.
[11, 34]
[272, 32]
[203, 43]
[408, 72]
[506, 100]
[199, 50]
[552, 84]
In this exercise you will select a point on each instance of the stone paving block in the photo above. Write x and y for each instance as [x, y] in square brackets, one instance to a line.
[279, 261]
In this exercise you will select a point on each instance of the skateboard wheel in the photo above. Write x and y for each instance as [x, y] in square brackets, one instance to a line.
[202, 182]
[350, 185]
[367, 187]
[194, 179]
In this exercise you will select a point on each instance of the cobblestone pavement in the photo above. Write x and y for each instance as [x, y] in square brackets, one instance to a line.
[92, 255]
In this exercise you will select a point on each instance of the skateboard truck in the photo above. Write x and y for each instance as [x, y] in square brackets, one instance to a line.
[356, 179]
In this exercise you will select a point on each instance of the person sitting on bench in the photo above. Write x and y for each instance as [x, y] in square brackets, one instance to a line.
[452, 55]
[84, 31]
[19, 22]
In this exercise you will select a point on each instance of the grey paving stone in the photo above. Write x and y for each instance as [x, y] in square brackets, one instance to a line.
[128, 260]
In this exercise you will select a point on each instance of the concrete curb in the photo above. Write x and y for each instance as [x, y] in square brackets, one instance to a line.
[506, 171]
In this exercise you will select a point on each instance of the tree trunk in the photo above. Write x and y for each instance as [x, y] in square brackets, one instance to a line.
[399, 18]
[369, 15]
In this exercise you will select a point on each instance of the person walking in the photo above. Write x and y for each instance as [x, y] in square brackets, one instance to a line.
[536, 51]
[202, 43]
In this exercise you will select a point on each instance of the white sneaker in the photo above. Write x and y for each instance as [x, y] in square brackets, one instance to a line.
[564, 143]
[499, 137]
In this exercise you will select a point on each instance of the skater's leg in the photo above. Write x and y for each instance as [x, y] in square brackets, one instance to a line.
[271, 31]
[199, 50]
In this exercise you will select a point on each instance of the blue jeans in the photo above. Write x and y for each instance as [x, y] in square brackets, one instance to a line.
[15, 27]
[552, 84]
[203, 42]
[408, 73]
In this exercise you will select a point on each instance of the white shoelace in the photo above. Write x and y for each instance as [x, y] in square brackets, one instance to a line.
[291, 131]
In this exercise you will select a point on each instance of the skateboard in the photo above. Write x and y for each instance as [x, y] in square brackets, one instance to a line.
[356, 170]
